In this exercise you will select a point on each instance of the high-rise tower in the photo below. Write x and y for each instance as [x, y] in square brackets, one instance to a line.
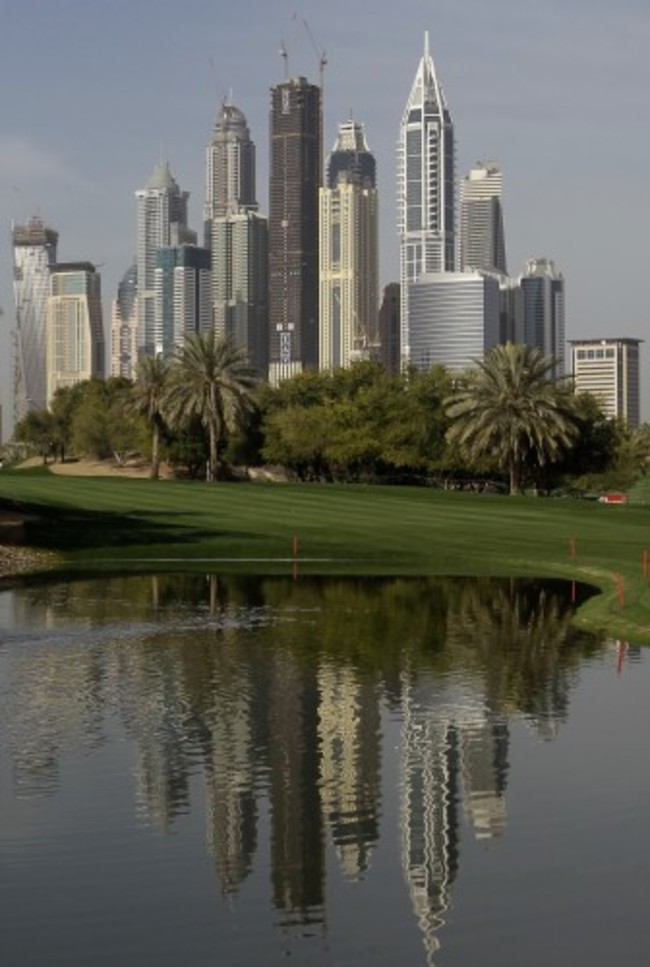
[544, 320]
[482, 237]
[294, 181]
[230, 167]
[162, 221]
[34, 252]
[75, 335]
[425, 186]
[124, 326]
[348, 252]
[237, 236]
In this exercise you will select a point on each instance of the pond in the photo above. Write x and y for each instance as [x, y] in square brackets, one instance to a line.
[210, 769]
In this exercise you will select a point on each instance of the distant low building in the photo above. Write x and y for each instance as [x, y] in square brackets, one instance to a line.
[609, 370]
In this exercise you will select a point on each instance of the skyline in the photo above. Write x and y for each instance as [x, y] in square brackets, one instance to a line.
[124, 82]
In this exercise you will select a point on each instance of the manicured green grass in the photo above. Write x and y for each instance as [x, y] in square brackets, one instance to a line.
[113, 523]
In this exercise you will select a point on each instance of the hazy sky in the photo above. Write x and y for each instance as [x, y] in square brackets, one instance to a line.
[557, 91]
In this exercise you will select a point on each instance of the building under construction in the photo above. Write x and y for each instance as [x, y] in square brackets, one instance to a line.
[294, 181]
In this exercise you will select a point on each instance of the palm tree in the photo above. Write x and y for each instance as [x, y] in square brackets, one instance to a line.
[148, 400]
[511, 408]
[210, 379]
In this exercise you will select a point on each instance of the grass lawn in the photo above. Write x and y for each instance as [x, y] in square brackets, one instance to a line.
[103, 522]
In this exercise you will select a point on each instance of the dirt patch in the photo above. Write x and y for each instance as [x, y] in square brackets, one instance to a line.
[99, 468]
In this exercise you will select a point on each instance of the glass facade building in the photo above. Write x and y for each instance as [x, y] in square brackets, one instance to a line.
[34, 253]
[183, 293]
[425, 187]
[161, 222]
[482, 235]
[542, 285]
[454, 319]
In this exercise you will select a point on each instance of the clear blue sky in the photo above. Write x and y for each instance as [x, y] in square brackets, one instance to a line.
[557, 91]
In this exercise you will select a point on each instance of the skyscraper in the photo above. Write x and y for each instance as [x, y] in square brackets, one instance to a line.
[294, 181]
[75, 335]
[237, 235]
[34, 252]
[482, 237]
[124, 326]
[454, 318]
[161, 221]
[230, 167]
[348, 252]
[183, 304]
[542, 285]
[425, 186]
[389, 319]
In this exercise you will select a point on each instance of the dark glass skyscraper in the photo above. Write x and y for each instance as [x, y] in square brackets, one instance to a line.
[294, 180]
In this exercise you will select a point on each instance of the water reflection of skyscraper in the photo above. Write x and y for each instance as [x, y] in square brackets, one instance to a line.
[349, 738]
[282, 702]
[452, 752]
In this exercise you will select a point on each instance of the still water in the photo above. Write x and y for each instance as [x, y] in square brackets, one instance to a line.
[212, 770]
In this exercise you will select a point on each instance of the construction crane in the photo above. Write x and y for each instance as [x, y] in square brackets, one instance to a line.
[322, 64]
[285, 57]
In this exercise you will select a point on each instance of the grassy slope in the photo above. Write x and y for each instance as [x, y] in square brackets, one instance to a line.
[104, 522]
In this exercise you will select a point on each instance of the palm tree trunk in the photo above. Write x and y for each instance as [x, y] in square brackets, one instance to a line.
[212, 471]
[515, 478]
[155, 452]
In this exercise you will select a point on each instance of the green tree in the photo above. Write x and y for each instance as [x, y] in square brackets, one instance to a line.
[99, 426]
[38, 428]
[148, 400]
[508, 407]
[210, 377]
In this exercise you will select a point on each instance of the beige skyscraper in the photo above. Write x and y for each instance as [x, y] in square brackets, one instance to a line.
[348, 252]
[609, 370]
[75, 336]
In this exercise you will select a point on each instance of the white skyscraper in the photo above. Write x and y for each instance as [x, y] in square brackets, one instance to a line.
[237, 235]
[34, 251]
[348, 252]
[161, 222]
[482, 237]
[544, 321]
[425, 186]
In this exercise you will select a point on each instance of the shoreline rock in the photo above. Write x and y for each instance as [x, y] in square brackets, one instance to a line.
[16, 561]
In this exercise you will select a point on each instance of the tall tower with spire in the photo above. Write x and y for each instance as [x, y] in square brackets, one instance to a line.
[161, 222]
[425, 186]
[348, 252]
[237, 236]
